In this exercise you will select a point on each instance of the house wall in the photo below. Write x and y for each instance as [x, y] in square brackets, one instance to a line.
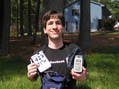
[72, 22]
[96, 15]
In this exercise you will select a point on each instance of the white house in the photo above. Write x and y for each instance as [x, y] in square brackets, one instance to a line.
[72, 16]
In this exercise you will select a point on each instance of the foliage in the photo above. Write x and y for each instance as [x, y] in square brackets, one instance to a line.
[69, 2]
[115, 10]
[15, 11]
[108, 24]
[113, 6]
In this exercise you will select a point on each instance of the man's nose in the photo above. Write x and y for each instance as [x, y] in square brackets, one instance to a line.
[54, 25]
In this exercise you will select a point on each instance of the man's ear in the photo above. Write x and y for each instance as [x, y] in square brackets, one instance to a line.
[44, 30]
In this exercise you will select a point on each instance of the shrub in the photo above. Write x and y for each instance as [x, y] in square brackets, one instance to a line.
[108, 24]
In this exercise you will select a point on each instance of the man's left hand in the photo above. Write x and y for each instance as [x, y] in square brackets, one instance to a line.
[80, 76]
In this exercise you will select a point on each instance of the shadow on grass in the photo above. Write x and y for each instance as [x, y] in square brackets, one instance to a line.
[12, 66]
[108, 49]
[108, 58]
[83, 87]
[105, 63]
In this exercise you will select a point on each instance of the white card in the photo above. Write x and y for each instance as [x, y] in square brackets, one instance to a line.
[42, 60]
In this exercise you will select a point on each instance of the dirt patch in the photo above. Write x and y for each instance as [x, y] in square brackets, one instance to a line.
[105, 40]
[24, 47]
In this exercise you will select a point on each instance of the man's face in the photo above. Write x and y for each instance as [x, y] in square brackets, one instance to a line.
[54, 28]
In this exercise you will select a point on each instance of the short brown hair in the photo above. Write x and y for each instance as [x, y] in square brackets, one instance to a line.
[52, 14]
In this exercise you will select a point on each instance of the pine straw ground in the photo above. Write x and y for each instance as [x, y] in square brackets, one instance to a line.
[24, 47]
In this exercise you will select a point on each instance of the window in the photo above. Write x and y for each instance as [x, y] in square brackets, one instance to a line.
[75, 12]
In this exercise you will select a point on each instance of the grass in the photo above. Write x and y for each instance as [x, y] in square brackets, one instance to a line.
[103, 69]
[13, 74]
[103, 66]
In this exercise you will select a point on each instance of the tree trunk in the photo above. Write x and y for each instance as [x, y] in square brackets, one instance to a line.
[1, 22]
[17, 1]
[36, 21]
[29, 18]
[85, 40]
[21, 18]
[5, 26]
[54, 4]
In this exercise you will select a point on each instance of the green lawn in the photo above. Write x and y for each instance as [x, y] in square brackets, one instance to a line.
[13, 74]
[103, 66]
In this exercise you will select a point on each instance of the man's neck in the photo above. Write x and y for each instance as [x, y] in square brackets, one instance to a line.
[55, 44]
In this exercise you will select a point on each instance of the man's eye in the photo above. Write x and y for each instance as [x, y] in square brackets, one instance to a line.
[50, 23]
[59, 23]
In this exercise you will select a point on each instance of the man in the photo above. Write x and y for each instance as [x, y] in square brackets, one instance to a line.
[56, 50]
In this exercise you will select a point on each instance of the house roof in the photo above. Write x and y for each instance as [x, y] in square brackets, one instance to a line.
[97, 3]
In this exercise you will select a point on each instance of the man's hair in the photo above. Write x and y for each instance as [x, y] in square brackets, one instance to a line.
[52, 14]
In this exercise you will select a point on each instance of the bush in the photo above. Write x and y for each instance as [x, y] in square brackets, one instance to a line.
[108, 24]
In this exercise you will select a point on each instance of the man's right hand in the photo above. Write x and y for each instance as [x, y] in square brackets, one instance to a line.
[32, 71]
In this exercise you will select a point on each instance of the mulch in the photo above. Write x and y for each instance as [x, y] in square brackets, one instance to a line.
[24, 47]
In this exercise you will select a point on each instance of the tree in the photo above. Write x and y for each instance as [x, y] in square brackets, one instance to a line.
[54, 4]
[29, 18]
[5, 26]
[36, 21]
[21, 18]
[1, 22]
[17, 17]
[67, 2]
[115, 10]
[85, 40]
